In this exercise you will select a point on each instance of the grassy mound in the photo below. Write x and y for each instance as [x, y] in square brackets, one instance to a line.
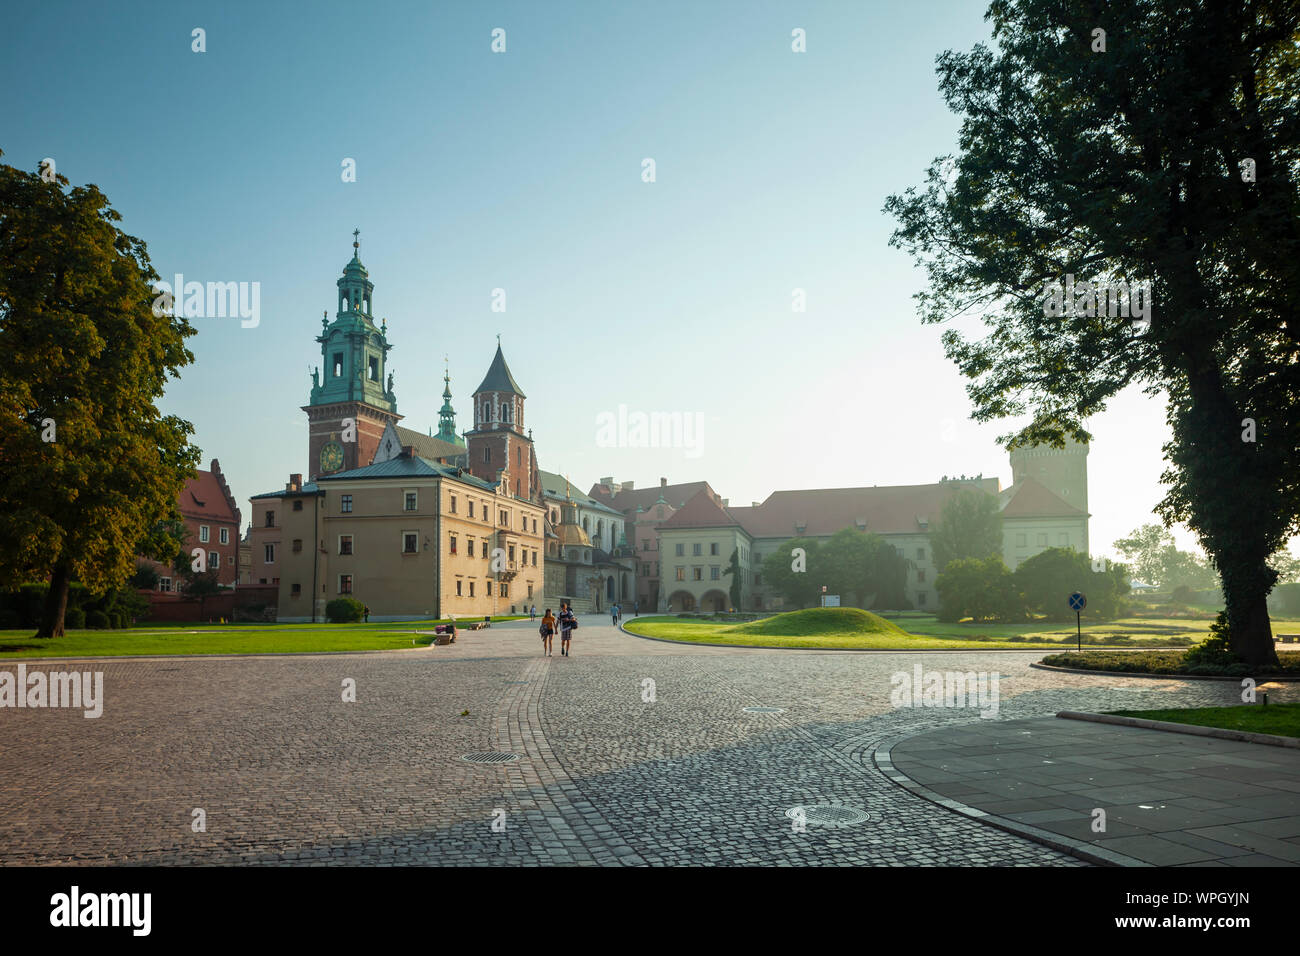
[822, 620]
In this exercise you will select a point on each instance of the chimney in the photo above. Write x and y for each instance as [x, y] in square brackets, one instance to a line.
[295, 482]
[726, 503]
[408, 451]
[626, 486]
[215, 467]
[753, 504]
[663, 482]
[607, 481]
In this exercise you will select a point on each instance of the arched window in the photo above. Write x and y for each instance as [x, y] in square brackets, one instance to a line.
[519, 456]
[487, 411]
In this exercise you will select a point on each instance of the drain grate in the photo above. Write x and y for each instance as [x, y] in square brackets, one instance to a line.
[764, 710]
[828, 815]
[490, 756]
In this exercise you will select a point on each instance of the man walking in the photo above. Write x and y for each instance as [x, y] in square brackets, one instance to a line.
[532, 613]
[547, 631]
[613, 615]
[568, 621]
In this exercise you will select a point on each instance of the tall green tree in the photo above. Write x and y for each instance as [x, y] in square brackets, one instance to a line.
[970, 526]
[787, 573]
[1049, 578]
[979, 588]
[1156, 559]
[1166, 151]
[90, 466]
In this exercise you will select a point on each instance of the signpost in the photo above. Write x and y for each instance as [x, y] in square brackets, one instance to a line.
[1078, 601]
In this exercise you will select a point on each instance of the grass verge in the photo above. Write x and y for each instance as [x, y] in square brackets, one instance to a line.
[1280, 719]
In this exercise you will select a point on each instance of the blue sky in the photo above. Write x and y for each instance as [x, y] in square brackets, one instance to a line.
[522, 171]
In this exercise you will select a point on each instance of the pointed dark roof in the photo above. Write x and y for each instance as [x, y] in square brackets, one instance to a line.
[498, 378]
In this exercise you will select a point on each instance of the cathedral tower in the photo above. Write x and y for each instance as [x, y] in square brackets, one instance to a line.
[498, 448]
[353, 401]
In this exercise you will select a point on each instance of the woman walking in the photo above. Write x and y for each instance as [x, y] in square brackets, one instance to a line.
[547, 631]
[568, 621]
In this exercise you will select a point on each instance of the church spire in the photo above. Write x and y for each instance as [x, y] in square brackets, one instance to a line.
[447, 414]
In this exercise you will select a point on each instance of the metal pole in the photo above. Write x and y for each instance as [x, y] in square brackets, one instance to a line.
[1078, 630]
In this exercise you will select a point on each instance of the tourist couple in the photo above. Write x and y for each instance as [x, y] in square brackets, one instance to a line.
[566, 623]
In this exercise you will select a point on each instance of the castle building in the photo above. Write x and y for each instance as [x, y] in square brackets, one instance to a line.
[684, 541]
[412, 525]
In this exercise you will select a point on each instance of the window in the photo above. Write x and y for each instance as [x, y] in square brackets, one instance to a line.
[1020, 541]
[345, 504]
[469, 546]
[453, 544]
[505, 589]
[338, 361]
[534, 562]
[715, 573]
[920, 554]
[758, 580]
[530, 587]
[296, 590]
[374, 368]
[485, 549]
[458, 584]
[1042, 540]
[681, 574]
[345, 584]
[297, 504]
[713, 547]
[510, 556]
[471, 508]
[270, 519]
[410, 501]
[1063, 540]
[920, 599]
[534, 526]
[204, 536]
[453, 504]
[225, 536]
[164, 584]
[345, 544]
[489, 589]
[487, 455]
[504, 518]
[270, 554]
[681, 550]
[214, 559]
[297, 545]
[920, 576]
[471, 589]
[409, 542]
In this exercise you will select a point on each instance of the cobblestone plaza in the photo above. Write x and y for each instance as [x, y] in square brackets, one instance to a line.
[632, 752]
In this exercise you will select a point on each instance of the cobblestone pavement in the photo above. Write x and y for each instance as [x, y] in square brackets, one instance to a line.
[632, 752]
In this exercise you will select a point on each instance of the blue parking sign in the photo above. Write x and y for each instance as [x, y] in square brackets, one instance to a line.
[1078, 601]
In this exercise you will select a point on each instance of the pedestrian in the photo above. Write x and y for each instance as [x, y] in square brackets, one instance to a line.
[532, 613]
[636, 608]
[568, 623]
[547, 631]
[367, 612]
[613, 615]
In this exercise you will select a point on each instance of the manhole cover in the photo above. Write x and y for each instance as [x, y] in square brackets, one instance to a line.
[491, 756]
[826, 815]
[764, 710]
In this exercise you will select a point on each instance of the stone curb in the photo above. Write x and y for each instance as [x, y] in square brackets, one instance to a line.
[1194, 730]
[1084, 670]
[883, 758]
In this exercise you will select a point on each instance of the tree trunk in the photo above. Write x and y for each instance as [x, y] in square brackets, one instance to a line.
[56, 602]
[1245, 587]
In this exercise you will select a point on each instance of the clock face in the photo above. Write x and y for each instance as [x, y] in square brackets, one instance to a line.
[331, 456]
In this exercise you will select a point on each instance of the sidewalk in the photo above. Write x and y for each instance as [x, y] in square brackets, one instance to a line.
[1170, 799]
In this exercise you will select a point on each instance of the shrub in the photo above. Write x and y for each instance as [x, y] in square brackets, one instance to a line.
[1214, 655]
[1182, 595]
[96, 620]
[344, 610]
[74, 617]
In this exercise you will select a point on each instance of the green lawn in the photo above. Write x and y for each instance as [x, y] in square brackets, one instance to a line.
[159, 639]
[912, 630]
[1280, 719]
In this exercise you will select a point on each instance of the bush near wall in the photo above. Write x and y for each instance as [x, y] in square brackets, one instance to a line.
[344, 610]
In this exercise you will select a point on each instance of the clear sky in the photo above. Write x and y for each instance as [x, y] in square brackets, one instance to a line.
[523, 171]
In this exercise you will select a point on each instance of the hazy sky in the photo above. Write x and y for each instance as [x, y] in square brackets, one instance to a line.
[523, 171]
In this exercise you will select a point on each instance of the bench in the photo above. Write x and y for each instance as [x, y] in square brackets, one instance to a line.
[1288, 638]
[479, 625]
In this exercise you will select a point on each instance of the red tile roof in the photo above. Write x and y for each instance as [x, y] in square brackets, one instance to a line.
[207, 496]
[891, 509]
[1031, 499]
[700, 512]
[627, 501]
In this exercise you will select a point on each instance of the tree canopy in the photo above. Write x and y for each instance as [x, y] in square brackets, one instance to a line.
[90, 464]
[970, 526]
[1164, 151]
